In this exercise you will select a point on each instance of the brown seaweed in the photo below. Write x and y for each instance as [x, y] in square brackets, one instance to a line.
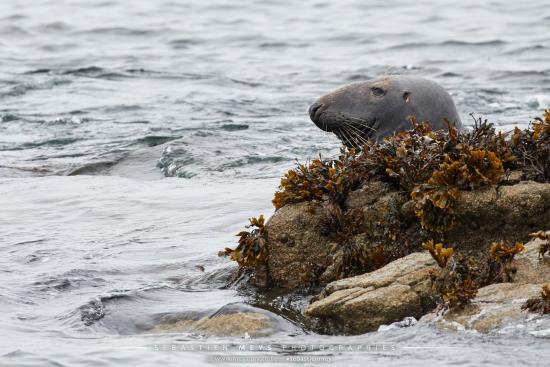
[540, 304]
[438, 252]
[459, 277]
[545, 244]
[252, 249]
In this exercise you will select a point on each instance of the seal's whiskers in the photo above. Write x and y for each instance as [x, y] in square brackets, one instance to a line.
[356, 134]
[353, 137]
[361, 122]
[347, 139]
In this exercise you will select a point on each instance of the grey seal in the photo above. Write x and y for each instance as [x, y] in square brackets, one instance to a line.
[379, 107]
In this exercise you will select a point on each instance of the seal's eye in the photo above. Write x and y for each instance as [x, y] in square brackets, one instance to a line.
[378, 92]
[407, 97]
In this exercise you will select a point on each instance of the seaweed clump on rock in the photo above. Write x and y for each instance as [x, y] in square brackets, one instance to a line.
[251, 250]
[341, 217]
[459, 277]
[544, 245]
[540, 304]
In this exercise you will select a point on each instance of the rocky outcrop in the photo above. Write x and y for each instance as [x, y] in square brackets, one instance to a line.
[497, 305]
[403, 289]
[300, 251]
[363, 303]
[494, 306]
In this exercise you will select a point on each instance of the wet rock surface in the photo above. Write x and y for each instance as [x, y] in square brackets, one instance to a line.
[231, 321]
[235, 324]
[363, 303]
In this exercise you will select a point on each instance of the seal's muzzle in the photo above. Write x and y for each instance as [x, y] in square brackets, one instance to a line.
[315, 112]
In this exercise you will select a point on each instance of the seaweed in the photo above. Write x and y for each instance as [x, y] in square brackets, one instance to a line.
[499, 267]
[342, 226]
[461, 293]
[251, 249]
[502, 253]
[435, 199]
[540, 304]
[459, 277]
[438, 252]
[544, 247]
[431, 166]
[456, 283]
[532, 147]
[321, 180]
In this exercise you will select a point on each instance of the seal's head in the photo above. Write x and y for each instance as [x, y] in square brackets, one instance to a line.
[379, 107]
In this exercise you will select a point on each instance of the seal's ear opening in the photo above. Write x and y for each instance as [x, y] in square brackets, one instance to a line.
[407, 96]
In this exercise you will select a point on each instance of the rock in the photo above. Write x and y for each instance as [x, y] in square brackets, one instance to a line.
[235, 324]
[363, 303]
[497, 305]
[530, 266]
[506, 213]
[236, 320]
[299, 250]
[494, 306]
[403, 289]
[296, 246]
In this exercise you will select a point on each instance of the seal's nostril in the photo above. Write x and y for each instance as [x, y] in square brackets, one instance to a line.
[313, 109]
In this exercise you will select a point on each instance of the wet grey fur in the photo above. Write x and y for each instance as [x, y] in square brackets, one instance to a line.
[379, 107]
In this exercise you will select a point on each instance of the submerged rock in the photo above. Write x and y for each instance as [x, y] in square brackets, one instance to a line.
[232, 320]
[236, 324]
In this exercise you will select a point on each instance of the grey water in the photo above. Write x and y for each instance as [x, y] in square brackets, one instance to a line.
[137, 137]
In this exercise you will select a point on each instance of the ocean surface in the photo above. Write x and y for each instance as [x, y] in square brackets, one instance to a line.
[137, 137]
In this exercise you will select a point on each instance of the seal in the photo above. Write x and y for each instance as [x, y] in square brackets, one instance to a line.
[379, 107]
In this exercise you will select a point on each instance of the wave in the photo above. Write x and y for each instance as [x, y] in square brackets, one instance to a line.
[184, 43]
[98, 72]
[123, 31]
[21, 88]
[526, 49]
[448, 43]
